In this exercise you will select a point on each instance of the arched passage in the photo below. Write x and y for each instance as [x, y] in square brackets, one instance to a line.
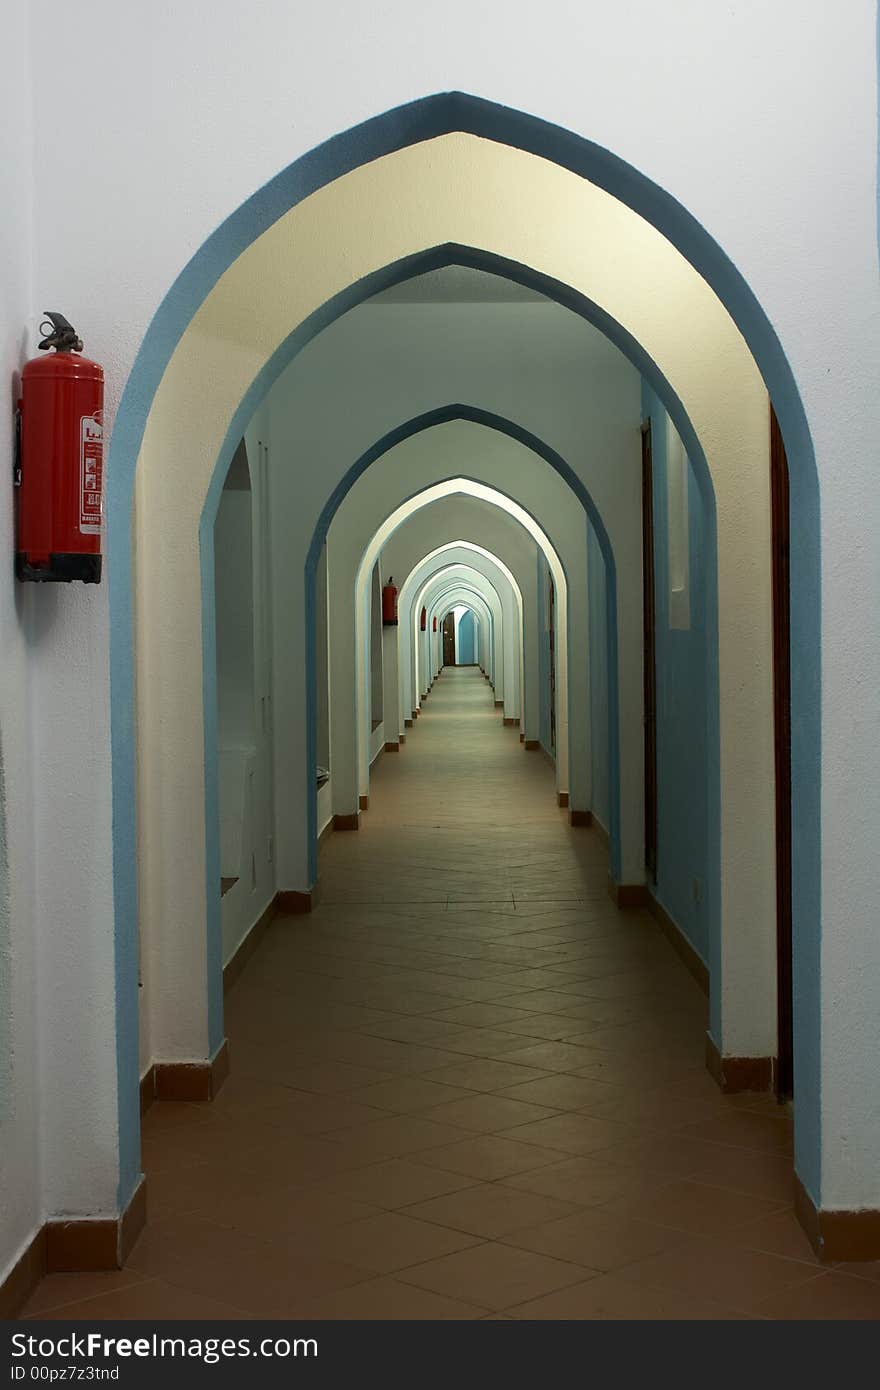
[411, 597]
[659, 210]
[502, 610]
[472, 487]
[458, 601]
[433, 579]
[482, 619]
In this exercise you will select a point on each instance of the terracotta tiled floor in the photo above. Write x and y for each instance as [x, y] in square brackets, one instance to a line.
[467, 1086]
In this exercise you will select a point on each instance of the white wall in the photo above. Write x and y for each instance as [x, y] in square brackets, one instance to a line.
[244, 904]
[393, 715]
[21, 1201]
[325, 807]
[780, 167]
[376, 682]
[234, 616]
[244, 735]
[322, 662]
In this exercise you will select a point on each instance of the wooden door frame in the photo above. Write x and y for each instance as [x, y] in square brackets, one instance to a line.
[780, 556]
[448, 629]
[649, 640]
[551, 630]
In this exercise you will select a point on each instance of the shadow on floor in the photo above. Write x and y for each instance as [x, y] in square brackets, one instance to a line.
[467, 1086]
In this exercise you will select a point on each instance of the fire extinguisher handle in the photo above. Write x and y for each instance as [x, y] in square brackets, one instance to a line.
[63, 336]
[16, 456]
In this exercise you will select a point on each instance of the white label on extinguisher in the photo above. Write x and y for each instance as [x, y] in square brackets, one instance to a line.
[91, 473]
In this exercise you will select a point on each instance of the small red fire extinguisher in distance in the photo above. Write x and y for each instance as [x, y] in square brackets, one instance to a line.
[60, 464]
[389, 604]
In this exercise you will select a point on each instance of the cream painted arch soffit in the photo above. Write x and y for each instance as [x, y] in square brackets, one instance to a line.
[463, 487]
[412, 201]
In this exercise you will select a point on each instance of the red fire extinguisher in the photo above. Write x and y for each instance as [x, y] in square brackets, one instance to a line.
[435, 622]
[423, 619]
[60, 465]
[389, 604]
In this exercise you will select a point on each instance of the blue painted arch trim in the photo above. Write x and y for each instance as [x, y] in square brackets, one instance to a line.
[400, 128]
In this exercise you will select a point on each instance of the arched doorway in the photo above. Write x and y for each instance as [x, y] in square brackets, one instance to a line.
[493, 124]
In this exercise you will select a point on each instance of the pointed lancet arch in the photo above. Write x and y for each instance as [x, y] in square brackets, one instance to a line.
[396, 130]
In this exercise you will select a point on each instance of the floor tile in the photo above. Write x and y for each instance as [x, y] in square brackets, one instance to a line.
[563, 1092]
[484, 1042]
[260, 1276]
[475, 1015]
[493, 1275]
[592, 1238]
[485, 1157]
[149, 1300]
[780, 1233]
[395, 1135]
[727, 1273]
[387, 1300]
[490, 1210]
[829, 1296]
[409, 1094]
[585, 1182]
[554, 1027]
[550, 1056]
[396, 1183]
[609, 1298]
[487, 1113]
[861, 1269]
[300, 1216]
[541, 1001]
[57, 1290]
[696, 1207]
[746, 1129]
[570, 1133]
[392, 1241]
[483, 1074]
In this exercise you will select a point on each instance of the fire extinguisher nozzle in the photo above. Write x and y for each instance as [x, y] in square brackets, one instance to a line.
[58, 333]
